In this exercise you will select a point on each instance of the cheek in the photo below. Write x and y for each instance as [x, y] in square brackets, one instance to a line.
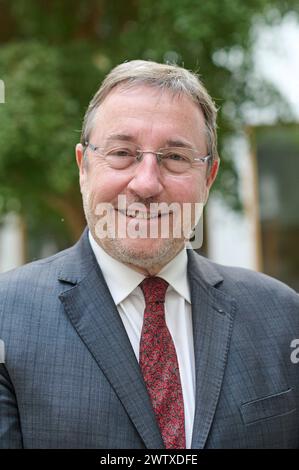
[104, 187]
[189, 189]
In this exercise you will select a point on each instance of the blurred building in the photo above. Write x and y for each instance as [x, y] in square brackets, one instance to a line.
[265, 236]
[12, 250]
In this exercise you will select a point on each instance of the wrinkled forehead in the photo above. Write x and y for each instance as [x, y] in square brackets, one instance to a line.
[134, 92]
[149, 114]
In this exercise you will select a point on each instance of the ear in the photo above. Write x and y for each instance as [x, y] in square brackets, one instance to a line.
[213, 173]
[79, 156]
[81, 164]
[212, 176]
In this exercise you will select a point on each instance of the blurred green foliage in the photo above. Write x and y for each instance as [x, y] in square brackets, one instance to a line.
[54, 54]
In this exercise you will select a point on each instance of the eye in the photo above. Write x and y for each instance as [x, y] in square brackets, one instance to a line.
[121, 152]
[175, 156]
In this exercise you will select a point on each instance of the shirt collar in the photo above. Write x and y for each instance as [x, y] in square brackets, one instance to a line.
[127, 279]
[175, 273]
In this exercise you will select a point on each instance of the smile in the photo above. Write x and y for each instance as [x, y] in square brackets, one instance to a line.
[135, 214]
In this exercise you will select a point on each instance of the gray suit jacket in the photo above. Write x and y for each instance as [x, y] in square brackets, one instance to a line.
[71, 379]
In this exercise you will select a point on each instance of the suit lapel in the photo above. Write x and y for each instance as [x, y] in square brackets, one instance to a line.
[93, 314]
[212, 314]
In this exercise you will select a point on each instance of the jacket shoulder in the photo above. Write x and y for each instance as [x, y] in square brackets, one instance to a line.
[254, 281]
[34, 272]
[242, 282]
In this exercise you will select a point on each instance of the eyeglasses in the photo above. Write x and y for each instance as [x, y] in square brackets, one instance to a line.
[176, 160]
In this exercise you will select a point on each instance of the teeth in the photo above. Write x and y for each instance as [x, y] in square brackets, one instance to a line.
[140, 214]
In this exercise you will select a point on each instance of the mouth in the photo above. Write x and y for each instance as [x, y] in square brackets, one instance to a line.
[142, 215]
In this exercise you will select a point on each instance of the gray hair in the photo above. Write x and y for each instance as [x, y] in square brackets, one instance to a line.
[173, 78]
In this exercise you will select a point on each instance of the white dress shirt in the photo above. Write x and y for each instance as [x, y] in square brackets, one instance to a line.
[123, 283]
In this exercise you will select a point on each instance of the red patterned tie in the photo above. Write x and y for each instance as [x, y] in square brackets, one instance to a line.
[159, 365]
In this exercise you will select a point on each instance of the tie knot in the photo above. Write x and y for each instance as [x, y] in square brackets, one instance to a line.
[154, 289]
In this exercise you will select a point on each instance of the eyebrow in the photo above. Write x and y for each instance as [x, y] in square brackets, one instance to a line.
[123, 137]
[169, 142]
[178, 143]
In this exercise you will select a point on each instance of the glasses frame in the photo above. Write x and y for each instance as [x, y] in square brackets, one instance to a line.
[158, 154]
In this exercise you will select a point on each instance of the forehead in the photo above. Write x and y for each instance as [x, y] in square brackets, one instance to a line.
[145, 111]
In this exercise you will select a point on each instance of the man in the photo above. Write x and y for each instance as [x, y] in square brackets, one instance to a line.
[129, 339]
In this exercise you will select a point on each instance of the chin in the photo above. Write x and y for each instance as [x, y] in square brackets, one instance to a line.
[143, 252]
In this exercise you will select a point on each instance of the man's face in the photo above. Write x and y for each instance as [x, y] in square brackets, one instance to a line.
[152, 120]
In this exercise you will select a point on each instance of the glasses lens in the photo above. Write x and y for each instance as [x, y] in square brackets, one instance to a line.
[176, 160]
[120, 158]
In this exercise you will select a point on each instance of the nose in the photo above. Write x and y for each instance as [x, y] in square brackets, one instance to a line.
[146, 181]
